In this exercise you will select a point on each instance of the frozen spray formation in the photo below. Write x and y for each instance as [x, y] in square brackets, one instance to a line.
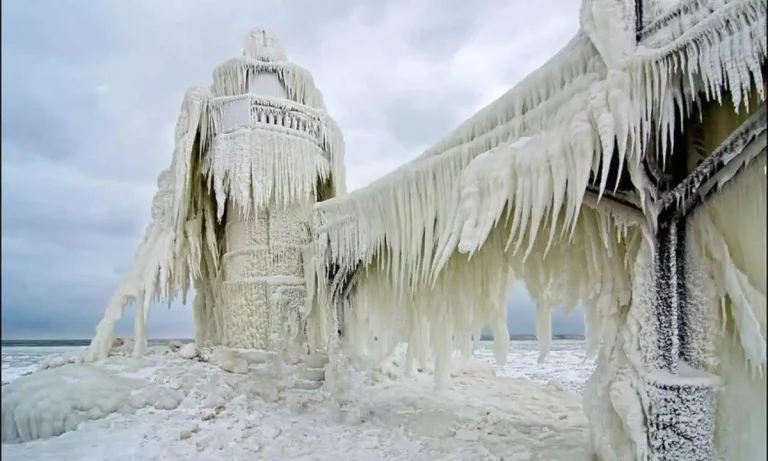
[611, 177]
[231, 216]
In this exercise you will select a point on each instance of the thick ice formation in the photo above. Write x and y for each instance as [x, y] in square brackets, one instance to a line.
[231, 215]
[576, 115]
[518, 188]
[262, 45]
[50, 402]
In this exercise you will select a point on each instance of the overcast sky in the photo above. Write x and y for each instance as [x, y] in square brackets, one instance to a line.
[91, 90]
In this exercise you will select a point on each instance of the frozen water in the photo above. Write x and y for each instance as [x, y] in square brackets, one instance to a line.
[386, 415]
[566, 363]
[21, 360]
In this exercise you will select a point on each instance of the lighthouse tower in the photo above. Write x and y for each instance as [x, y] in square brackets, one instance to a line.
[274, 153]
[253, 153]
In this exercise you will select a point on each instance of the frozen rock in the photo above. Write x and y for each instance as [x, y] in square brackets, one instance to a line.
[216, 412]
[188, 351]
[555, 384]
[174, 345]
[53, 361]
[218, 357]
[125, 347]
[188, 431]
[205, 354]
[234, 364]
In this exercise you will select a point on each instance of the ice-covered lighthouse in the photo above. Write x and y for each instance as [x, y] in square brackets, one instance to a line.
[253, 153]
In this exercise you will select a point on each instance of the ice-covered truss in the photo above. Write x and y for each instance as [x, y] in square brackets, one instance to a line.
[627, 174]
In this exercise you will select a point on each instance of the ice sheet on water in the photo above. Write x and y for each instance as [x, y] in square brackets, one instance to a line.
[20, 360]
[565, 364]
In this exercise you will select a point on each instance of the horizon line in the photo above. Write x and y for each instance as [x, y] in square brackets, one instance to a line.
[482, 338]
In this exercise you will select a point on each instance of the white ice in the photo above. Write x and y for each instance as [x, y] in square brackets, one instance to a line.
[385, 416]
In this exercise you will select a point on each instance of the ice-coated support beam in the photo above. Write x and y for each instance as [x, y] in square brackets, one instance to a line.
[682, 399]
[723, 165]
[670, 294]
[618, 197]
[638, 20]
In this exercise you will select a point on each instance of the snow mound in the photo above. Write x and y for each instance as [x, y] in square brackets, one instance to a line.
[55, 400]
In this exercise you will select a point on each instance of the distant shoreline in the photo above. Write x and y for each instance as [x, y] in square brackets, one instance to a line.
[86, 342]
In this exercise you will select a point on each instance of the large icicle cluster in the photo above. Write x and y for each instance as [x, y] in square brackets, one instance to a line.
[542, 142]
[170, 253]
[732, 279]
[231, 215]
[420, 255]
[269, 149]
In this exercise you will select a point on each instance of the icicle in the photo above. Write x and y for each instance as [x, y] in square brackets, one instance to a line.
[232, 78]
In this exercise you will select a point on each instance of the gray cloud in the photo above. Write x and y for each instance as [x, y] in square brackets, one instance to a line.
[91, 91]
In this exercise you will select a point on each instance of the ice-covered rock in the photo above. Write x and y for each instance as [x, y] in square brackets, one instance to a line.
[188, 351]
[121, 346]
[217, 356]
[59, 360]
[187, 432]
[555, 384]
[53, 361]
[234, 364]
[205, 354]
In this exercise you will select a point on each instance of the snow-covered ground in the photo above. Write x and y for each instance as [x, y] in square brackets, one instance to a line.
[525, 412]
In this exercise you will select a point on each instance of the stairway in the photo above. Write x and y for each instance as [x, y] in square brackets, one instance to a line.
[312, 375]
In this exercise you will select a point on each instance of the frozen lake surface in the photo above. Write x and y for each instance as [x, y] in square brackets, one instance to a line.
[521, 411]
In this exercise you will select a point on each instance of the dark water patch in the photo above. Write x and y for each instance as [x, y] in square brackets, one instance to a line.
[70, 342]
